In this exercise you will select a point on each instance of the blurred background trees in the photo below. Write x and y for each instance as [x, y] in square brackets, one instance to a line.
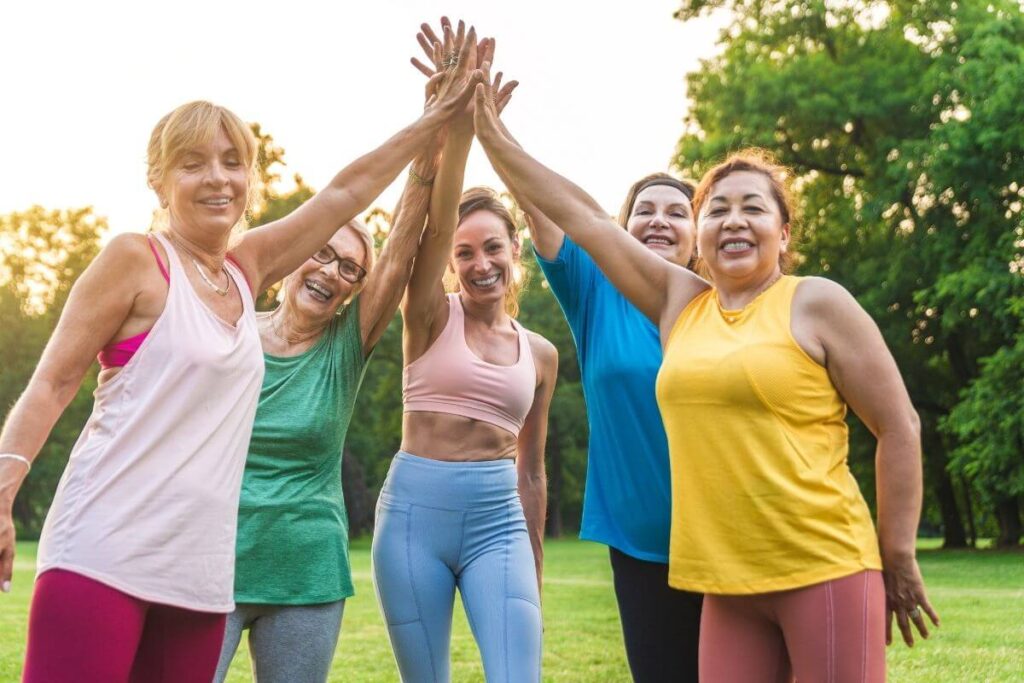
[901, 123]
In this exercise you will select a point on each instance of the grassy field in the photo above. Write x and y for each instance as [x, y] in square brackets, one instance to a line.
[979, 595]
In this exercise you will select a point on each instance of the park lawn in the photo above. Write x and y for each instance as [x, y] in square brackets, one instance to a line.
[979, 595]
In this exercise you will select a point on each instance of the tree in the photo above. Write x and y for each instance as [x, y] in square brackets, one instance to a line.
[898, 119]
[44, 252]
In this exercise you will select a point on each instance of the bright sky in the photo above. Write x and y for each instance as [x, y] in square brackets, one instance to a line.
[601, 99]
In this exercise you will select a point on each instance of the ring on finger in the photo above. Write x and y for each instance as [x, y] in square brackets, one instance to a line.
[450, 60]
[914, 613]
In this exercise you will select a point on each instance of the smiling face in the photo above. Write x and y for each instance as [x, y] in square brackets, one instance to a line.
[315, 290]
[740, 231]
[662, 220]
[206, 189]
[483, 257]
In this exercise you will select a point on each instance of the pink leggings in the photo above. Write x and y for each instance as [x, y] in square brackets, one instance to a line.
[832, 632]
[84, 631]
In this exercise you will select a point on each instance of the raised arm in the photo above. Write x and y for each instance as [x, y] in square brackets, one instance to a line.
[424, 308]
[533, 483]
[658, 288]
[272, 251]
[834, 330]
[386, 284]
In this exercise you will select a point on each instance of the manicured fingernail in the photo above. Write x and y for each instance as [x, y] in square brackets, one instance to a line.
[6, 588]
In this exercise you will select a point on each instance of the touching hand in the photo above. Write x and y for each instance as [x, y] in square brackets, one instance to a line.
[450, 84]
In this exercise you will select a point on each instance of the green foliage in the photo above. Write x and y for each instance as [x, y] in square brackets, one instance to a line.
[44, 253]
[901, 122]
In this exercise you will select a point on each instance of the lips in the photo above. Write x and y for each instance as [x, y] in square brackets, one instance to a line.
[216, 202]
[485, 282]
[660, 240]
[734, 246]
[318, 290]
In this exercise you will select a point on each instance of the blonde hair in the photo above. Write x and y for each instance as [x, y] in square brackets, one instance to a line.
[187, 127]
[363, 233]
[485, 199]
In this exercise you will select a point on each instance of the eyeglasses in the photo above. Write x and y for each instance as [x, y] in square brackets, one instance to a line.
[349, 270]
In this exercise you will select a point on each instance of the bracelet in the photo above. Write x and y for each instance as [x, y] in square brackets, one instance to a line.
[420, 180]
[19, 458]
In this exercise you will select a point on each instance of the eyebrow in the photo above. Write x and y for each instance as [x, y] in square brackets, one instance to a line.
[751, 195]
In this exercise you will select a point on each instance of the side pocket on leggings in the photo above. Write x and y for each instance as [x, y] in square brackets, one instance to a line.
[392, 573]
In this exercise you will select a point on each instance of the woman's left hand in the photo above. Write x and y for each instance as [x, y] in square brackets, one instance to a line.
[905, 599]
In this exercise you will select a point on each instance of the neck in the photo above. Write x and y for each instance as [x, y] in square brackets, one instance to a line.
[490, 314]
[208, 251]
[294, 327]
[735, 294]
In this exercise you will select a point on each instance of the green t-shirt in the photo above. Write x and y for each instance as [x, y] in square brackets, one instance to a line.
[292, 546]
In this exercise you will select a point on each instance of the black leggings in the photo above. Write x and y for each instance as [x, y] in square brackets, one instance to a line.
[661, 625]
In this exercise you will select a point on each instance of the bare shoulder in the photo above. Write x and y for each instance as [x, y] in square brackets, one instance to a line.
[126, 249]
[818, 295]
[544, 352]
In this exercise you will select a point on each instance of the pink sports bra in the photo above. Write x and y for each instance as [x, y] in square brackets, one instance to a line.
[450, 378]
[117, 354]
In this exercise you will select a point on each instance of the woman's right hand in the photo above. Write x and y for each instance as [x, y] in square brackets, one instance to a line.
[455, 73]
[12, 473]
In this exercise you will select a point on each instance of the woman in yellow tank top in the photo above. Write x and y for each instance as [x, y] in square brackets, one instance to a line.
[758, 370]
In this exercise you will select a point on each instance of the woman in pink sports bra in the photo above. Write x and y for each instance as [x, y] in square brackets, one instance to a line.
[136, 558]
[464, 502]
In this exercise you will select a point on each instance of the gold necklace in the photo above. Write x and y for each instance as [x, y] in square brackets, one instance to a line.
[222, 291]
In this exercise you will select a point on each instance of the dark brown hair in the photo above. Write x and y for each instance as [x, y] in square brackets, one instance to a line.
[485, 199]
[685, 186]
[756, 160]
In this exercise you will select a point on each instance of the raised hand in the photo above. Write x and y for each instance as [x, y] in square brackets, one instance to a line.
[451, 83]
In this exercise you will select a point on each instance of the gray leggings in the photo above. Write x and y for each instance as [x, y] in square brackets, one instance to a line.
[287, 643]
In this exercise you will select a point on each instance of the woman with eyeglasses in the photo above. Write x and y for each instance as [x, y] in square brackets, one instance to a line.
[292, 571]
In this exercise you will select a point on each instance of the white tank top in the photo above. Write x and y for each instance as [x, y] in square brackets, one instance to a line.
[149, 500]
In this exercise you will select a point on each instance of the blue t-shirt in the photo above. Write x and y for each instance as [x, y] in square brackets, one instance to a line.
[627, 502]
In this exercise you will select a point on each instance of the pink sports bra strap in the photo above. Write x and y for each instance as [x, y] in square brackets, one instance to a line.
[159, 261]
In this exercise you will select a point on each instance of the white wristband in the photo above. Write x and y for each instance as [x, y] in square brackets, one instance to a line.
[19, 458]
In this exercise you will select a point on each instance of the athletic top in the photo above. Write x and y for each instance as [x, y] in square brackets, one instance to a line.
[627, 501]
[292, 546]
[450, 378]
[117, 354]
[148, 502]
[764, 498]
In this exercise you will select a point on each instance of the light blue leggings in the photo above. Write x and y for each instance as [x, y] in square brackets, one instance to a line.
[442, 525]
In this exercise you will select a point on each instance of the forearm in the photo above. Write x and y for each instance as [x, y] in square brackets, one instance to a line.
[533, 493]
[25, 431]
[388, 281]
[899, 491]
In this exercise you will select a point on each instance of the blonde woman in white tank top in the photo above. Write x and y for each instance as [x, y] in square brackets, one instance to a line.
[136, 560]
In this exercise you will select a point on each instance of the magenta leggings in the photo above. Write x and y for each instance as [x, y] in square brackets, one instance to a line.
[832, 632]
[84, 631]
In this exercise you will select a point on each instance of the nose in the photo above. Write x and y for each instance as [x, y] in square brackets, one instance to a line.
[216, 175]
[658, 221]
[733, 219]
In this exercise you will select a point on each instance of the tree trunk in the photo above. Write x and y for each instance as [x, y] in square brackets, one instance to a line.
[939, 481]
[1008, 516]
[359, 502]
[554, 468]
[972, 528]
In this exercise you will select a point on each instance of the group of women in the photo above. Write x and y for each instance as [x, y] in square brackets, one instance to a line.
[203, 497]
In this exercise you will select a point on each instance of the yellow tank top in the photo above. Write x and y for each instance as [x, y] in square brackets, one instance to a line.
[763, 498]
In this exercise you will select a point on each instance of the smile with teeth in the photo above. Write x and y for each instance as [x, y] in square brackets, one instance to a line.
[318, 291]
[736, 245]
[218, 201]
[486, 281]
[658, 239]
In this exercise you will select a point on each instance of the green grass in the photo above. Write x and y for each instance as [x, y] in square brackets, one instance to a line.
[979, 595]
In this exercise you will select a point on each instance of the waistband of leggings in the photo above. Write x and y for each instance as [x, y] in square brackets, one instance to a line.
[450, 485]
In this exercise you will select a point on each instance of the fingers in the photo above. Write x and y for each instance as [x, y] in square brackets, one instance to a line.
[429, 34]
[422, 68]
[888, 625]
[426, 44]
[496, 85]
[504, 95]
[468, 46]
[6, 566]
